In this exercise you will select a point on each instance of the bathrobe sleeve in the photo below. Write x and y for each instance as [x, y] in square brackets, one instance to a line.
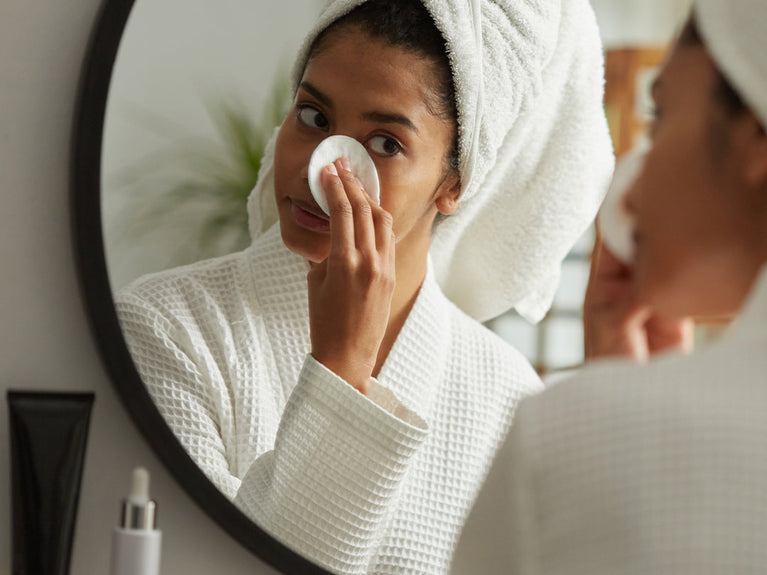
[325, 484]
[337, 461]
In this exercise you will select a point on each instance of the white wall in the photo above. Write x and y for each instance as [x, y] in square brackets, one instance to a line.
[45, 342]
[626, 23]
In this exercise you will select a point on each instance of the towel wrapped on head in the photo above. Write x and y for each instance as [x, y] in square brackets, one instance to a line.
[534, 147]
[734, 34]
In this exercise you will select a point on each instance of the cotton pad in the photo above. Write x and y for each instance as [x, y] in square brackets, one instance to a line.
[362, 166]
[615, 222]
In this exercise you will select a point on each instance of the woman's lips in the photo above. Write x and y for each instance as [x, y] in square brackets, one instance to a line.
[309, 216]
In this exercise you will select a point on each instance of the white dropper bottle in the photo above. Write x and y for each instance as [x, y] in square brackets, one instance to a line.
[136, 542]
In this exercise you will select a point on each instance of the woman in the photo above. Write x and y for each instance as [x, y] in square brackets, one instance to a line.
[354, 415]
[660, 468]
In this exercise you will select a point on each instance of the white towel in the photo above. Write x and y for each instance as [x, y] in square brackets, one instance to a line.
[535, 152]
[734, 32]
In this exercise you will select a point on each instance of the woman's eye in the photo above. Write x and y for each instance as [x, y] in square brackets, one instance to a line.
[312, 117]
[384, 146]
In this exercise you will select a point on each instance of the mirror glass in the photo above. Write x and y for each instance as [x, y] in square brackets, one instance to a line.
[196, 90]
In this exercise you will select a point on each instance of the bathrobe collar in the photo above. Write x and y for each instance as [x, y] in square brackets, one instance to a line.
[753, 321]
[416, 361]
[418, 357]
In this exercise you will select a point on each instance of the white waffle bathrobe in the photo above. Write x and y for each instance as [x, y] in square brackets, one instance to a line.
[376, 484]
[625, 469]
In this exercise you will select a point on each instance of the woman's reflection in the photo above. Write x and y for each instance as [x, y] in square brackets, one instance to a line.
[321, 378]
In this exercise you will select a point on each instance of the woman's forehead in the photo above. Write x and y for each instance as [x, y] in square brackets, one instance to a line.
[356, 68]
[688, 69]
[353, 43]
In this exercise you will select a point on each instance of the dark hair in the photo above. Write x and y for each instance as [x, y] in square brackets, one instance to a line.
[408, 25]
[724, 91]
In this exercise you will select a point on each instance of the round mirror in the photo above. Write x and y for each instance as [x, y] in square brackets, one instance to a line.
[165, 113]
[172, 124]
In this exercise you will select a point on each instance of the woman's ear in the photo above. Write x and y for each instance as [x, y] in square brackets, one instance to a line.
[755, 153]
[448, 193]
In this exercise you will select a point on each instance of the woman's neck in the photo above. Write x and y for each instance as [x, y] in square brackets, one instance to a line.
[410, 272]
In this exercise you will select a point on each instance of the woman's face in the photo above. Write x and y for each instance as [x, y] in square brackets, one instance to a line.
[695, 232]
[360, 87]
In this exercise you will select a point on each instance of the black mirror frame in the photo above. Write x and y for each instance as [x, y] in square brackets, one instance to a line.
[85, 197]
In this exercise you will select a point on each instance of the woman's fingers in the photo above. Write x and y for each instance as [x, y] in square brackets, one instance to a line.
[384, 233]
[350, 292]
[356, 221]
[612, 319]
[341, 213]
[616, 323]
[362, 208]
[610, 279]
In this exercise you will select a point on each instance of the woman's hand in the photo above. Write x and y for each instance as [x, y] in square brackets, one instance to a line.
[350, 292]
[615, 324]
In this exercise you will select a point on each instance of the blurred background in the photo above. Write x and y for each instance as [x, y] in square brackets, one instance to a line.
[198, 87]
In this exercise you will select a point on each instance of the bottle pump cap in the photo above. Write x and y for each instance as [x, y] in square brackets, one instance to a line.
[138, 511]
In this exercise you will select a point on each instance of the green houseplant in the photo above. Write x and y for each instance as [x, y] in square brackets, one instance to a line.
[199, 186]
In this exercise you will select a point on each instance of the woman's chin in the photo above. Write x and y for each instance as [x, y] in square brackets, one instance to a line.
[669, 298]
[301, 243]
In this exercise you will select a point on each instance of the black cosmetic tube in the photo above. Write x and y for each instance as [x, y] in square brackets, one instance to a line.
[49, 432]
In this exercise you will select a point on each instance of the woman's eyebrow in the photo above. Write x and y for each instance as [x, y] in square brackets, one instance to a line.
[389, 119]
[323, 98]
[383, 117]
